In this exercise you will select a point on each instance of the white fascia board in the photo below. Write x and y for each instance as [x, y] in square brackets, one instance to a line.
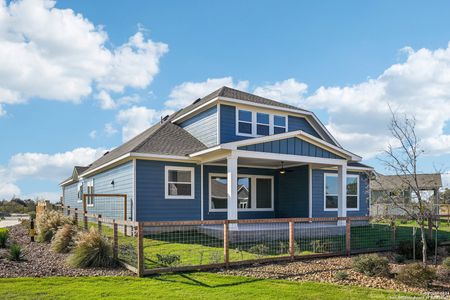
[66, 182]
[195, 109]
[206, 151]
[290, 157]
[338, 149]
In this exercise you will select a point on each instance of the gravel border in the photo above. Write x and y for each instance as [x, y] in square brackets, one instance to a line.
[40, 261]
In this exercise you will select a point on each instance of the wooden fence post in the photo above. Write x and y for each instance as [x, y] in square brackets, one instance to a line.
[85, 221]
[75, 217]
[125, 214]
[348, 238]
[291, 240]
[68, 210]
[226, 251]
[99, 223]
[140, 250]
[115, 240]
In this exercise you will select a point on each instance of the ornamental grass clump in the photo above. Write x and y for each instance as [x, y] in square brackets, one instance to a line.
[3, 238]
[91, 250]
[64, 239]
[371, 265]
[15, 252]
[416, 275]
[48, 223]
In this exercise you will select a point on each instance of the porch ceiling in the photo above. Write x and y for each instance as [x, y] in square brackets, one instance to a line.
[266, 163]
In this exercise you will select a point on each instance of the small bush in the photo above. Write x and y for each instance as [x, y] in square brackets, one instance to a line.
[398, 258]
[91, 250]
[446, 263]
[416, 275]
[405, 248]
[341, 275]
[371, 265]
[3, 238]
[64, 239]
[259, 249]
[48, 223]
[15, 252]
[168, 259]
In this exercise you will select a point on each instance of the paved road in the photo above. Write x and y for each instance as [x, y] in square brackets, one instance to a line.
[13, 220]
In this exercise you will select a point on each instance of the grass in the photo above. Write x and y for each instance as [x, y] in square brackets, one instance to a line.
[182, 286]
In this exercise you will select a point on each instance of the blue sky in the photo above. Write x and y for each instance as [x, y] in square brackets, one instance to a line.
[345, 60]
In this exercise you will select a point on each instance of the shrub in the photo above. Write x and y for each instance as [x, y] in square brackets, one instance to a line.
[371, 265]
[3, 238]
[48, 223]
[168, 259]
[259, 249]
[91, 250]
[341, 275]
[15, 252]
[398, 258]
[446, 263]
[416, 275]
[405, 248]
[64, 239]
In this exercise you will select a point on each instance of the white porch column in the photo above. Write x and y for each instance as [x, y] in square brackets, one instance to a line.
[232, 177]
[342, 190]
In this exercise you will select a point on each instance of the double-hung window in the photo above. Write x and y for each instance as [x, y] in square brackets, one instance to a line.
[262, 124]
[331, 192]
[90, 190]
[254, 192]
[279, 124]
[245, 123]
[80, 192]
[179, 182]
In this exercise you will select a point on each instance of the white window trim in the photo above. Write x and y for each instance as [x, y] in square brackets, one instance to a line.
[90, 183]
[255, 123]
[325, 192]
[166, 182]
[253, 195]
[79, 185]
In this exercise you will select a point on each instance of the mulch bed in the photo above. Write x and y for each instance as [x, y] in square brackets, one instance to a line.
[40, 261]
[324, 270]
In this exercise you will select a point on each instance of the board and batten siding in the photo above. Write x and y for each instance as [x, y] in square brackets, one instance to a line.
[203, 126]
[318, 197]
[294, 146]
[112, 207]
[150, 193]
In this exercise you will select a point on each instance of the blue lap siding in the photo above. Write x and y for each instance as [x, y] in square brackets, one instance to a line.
[151, 202]
[318, 195]
[203, 126]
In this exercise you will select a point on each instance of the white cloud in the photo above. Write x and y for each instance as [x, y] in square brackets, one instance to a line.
[289, 91]
[110, 130]
[106, 102]
[52, 196]
[93, 134]
[2, 111]
[185, 93]
[137, 119]
[42, 166]
[57, 54]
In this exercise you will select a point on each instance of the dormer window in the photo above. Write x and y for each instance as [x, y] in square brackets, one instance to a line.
[251, 123]
[245, 122]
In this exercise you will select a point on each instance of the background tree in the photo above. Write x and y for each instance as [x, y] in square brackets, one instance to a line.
[401, 158]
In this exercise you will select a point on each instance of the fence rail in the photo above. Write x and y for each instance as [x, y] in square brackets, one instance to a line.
[169, 246]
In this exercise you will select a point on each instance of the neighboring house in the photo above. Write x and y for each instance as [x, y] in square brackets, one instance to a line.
[392, 185]
[228, 155]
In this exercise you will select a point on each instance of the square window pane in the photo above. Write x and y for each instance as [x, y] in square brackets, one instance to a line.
[352, 186]
[263, 193]
[179, 189]
[262, 118]
[332, 202]
[245, 128]
[262, 130]
[245, 115]
[352, 201]
[219, 196]
[244, 192]
[219, 203]
[279, 121]
[179, 176]
[277, 130]
[331, 185]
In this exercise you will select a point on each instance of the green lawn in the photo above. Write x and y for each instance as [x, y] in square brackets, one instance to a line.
[181, 286]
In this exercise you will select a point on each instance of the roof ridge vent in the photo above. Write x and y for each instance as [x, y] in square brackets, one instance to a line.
[105, 153]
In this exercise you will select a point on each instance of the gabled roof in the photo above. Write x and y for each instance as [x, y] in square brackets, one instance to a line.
[81, 169]
[227, 92]
[394, 182]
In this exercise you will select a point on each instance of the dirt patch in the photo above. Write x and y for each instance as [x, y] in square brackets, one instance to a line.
[40, 261]
[324, 270]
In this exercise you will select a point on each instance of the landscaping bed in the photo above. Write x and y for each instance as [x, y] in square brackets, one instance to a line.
[40, 261]
[324, 270]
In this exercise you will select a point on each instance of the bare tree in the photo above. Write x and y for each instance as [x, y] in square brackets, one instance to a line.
[401, 158]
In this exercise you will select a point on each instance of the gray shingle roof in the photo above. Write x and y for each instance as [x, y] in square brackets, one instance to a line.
[359, 165]
[81, 169]
[235, 94]
[165, 138]
[394, 182]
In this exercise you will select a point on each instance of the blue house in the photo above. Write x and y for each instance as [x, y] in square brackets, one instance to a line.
[230, 155]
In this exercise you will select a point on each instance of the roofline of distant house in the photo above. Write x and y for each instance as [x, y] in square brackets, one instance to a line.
[298, 111]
